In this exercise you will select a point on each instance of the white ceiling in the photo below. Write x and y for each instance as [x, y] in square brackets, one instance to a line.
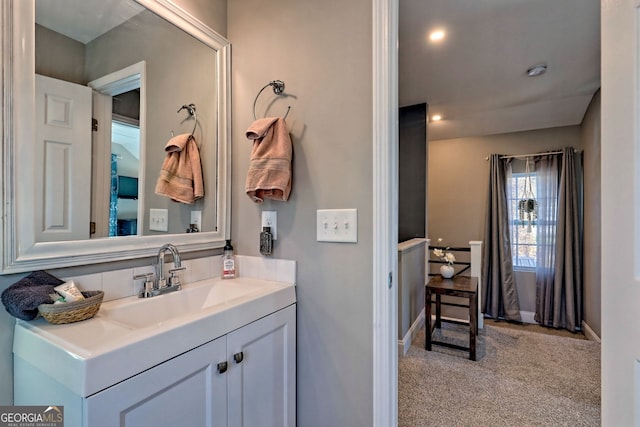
[84, 20]
[476, 77]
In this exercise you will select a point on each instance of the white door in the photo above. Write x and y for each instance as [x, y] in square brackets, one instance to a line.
[62, 151]
[620, 213]
[262, 372]
[101, 161]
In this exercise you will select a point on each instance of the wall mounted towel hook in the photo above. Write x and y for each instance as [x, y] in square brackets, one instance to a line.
[278, 89]
[191, 108]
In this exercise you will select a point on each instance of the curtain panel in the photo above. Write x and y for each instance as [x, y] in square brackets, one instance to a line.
[499, 297]
[560, 252]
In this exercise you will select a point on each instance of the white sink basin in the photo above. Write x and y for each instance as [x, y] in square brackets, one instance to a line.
[144, 312]
[133, 334]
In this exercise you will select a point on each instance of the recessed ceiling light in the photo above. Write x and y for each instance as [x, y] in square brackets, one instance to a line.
[537, 70]
[436, 35]
[436, 118]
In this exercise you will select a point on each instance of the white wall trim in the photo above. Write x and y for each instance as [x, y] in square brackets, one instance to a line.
[528, 317]
[589, 333]
[407, 339]
[20, 251]
[385, 211]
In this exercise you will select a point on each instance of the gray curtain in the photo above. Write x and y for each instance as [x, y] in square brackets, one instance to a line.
[499, 294]
[559, 258]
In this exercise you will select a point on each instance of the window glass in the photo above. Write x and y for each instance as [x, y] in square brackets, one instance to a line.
[523, 227]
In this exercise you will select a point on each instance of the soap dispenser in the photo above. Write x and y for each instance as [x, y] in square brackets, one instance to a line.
[228, 261]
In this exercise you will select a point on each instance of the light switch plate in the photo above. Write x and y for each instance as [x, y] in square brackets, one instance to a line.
[196, 218]
[159, 219]
[337, 225]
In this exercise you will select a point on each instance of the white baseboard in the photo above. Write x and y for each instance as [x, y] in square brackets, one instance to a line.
[528, 317]
[405, 342]
[589, 333]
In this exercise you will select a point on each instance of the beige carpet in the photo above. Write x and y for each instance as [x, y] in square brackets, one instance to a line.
[521, 378]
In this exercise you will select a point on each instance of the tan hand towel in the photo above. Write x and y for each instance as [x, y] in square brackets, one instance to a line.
[269, 175]
[181, 174]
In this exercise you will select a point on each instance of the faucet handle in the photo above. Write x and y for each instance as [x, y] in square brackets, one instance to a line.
[149, 278]
[174, 280]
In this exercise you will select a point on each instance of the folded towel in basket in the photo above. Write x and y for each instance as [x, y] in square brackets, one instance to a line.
[22, 298]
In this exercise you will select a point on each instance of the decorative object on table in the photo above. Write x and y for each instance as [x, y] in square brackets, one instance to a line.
[528, 206]
[446, 271]
[75, 311]
[22, 298]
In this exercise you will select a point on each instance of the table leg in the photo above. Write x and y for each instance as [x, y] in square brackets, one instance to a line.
[473, 325]
[438, 311]
[427, 323]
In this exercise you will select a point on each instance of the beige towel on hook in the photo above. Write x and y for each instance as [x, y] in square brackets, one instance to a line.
[269, 175]
[181, 174]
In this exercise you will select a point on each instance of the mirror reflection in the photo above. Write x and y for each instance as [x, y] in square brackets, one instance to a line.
[139, 70]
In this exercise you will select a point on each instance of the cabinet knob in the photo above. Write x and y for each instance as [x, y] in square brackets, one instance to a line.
[222, 367]
[238, 357]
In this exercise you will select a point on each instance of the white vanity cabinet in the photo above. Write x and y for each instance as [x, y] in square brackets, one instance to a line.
[256, 387]
[185, 391]
[261, 385]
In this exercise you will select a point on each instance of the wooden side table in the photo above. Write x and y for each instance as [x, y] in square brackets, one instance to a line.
[458, 286]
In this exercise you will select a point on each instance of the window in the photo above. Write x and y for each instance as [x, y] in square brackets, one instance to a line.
[523, 231]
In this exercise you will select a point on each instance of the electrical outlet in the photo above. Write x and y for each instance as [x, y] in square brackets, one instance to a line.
[270, 219]
[196, 218]
[159, 219]
[337, 225]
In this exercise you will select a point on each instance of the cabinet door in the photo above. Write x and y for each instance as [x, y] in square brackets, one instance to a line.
[262, 384]
[185, 391]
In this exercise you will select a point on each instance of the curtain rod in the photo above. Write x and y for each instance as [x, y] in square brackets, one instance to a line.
[517, 156]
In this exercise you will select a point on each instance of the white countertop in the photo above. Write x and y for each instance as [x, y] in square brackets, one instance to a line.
[93, 354]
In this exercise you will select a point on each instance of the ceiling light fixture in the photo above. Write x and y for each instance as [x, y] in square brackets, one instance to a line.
[537, 70]
[436, 36]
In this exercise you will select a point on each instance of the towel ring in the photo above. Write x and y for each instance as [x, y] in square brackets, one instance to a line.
[191, 108]
[278, 89]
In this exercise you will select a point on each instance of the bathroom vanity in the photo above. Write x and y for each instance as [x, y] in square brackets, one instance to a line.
[216, 353]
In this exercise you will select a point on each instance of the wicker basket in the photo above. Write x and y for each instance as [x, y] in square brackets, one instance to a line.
[75, 311]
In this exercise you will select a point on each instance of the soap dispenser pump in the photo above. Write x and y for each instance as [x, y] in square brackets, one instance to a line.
[228, 261]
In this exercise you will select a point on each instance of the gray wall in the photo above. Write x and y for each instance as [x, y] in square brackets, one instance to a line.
[458, 177]
[212, 13]
[322, 51]
[51, 47]
[592, 216]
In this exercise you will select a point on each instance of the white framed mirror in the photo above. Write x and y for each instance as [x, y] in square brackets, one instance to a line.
[37, 223]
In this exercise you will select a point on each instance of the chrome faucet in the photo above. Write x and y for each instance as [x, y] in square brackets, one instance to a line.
[174, 280]
[156, 284]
